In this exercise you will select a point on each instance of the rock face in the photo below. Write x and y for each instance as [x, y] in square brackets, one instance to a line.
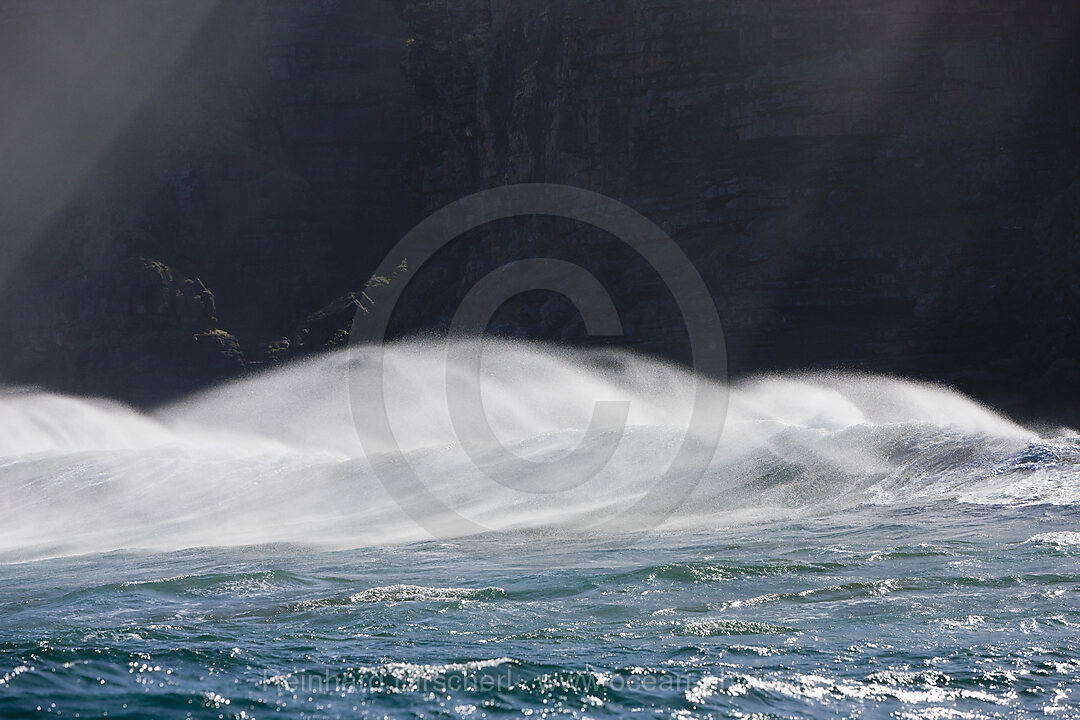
[888, 186]
[266, 161]
[137, 332]
[328, 328]
[1051, 343]
[860, 184]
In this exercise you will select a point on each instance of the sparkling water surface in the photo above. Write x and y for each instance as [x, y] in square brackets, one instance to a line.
[904, 611]
[856, 546]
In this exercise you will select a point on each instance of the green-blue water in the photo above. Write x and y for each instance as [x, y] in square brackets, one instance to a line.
[907, 612]
[856, 547]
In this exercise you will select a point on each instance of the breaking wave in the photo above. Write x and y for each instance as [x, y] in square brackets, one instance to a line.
[276, 458]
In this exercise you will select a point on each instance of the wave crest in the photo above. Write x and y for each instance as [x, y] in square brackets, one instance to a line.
[276, 458]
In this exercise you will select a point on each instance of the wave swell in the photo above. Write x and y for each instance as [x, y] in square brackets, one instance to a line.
[277, 459]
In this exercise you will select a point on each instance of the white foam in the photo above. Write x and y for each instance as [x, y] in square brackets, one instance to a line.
[277, 457]
[1060, 539]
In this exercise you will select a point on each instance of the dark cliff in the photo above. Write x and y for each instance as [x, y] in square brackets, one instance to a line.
[890, 186]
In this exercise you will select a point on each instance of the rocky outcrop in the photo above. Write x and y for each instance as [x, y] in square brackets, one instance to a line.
[138, 333]
[328, 328]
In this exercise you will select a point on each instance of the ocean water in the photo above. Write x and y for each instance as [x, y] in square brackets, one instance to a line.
[857, 546]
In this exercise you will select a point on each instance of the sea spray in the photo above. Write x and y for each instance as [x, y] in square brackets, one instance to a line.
[275, 458]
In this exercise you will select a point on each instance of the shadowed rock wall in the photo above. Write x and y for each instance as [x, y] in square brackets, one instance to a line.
[879, 185]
